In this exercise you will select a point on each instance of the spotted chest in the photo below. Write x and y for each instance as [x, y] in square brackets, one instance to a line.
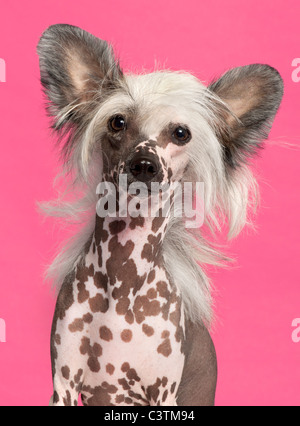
[121, 319]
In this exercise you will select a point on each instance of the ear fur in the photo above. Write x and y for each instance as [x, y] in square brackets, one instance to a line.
[253, 94]
[77, 68]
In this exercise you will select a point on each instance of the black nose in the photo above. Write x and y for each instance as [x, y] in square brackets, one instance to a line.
[144, 169]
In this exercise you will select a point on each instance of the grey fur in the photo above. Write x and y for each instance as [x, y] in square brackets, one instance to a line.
[58, 47]
[261, 88]
[62, 49]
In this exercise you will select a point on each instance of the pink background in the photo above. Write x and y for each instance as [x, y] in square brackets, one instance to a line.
[259, 297]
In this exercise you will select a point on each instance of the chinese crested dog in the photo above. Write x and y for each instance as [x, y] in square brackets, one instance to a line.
[134, 303]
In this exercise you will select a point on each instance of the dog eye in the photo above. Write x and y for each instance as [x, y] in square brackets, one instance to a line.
[117, 123]
[182, 135]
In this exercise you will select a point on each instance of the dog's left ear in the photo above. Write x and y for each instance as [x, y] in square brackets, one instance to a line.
[76, 68]
[253, 94]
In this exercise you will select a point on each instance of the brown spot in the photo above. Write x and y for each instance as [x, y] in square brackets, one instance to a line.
[124, 384]
[57, 339]
[164, 381]
[175, 317]
[82, 275]
[144, 307]
[78, 375]
[125, 367]
[173, 387]
[165, 348]
[119, 399]
[152, 293]
[101, 235]
[83, 294]
[129, 317]
[77, 325]
[110, 369]
[132, 375]
[119, 257]
[165, 395]
[65, 371]
[147, 252]
[126, 335]
[150, 144]
[100, 257]
[158, 222]
[129, 279]
[155, 240]
[99, 303]
[137, 396]
[122, 305]
[151, 276]
[105, 333]
[65, 298]
[64, 301]
[93, 352]
[100, 395]
[179, 335]
[137, 221]
[117, 226]
[88, 318]
[152, 250]
[165, 334]
[153, 391]
[101, 280]
[109, 388]
[55, 397]
[149, 331]
[176, 314]
[163, 290]
[67, 400]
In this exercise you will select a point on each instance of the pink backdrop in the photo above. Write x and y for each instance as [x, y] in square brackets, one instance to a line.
[258, 298]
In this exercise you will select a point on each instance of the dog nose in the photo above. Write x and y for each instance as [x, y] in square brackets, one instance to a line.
[144, 169]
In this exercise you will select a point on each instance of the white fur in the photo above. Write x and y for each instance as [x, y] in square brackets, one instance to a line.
[157, 98]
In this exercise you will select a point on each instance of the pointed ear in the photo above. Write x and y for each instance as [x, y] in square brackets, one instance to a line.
[76, 69]
[253, 94]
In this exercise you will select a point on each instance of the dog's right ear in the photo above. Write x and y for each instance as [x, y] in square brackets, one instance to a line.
[77, 69]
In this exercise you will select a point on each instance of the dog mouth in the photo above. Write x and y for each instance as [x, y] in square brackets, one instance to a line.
[139, 183]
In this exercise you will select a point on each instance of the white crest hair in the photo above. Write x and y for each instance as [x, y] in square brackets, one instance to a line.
[227, 195]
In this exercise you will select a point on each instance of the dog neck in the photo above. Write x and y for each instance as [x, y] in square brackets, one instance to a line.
[139, 235]
[139, 238]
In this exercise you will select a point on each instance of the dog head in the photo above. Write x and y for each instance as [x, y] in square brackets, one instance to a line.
[157, 127]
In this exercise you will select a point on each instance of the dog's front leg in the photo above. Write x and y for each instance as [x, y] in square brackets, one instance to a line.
[67, 350]
[63, 394]
[67, 371]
